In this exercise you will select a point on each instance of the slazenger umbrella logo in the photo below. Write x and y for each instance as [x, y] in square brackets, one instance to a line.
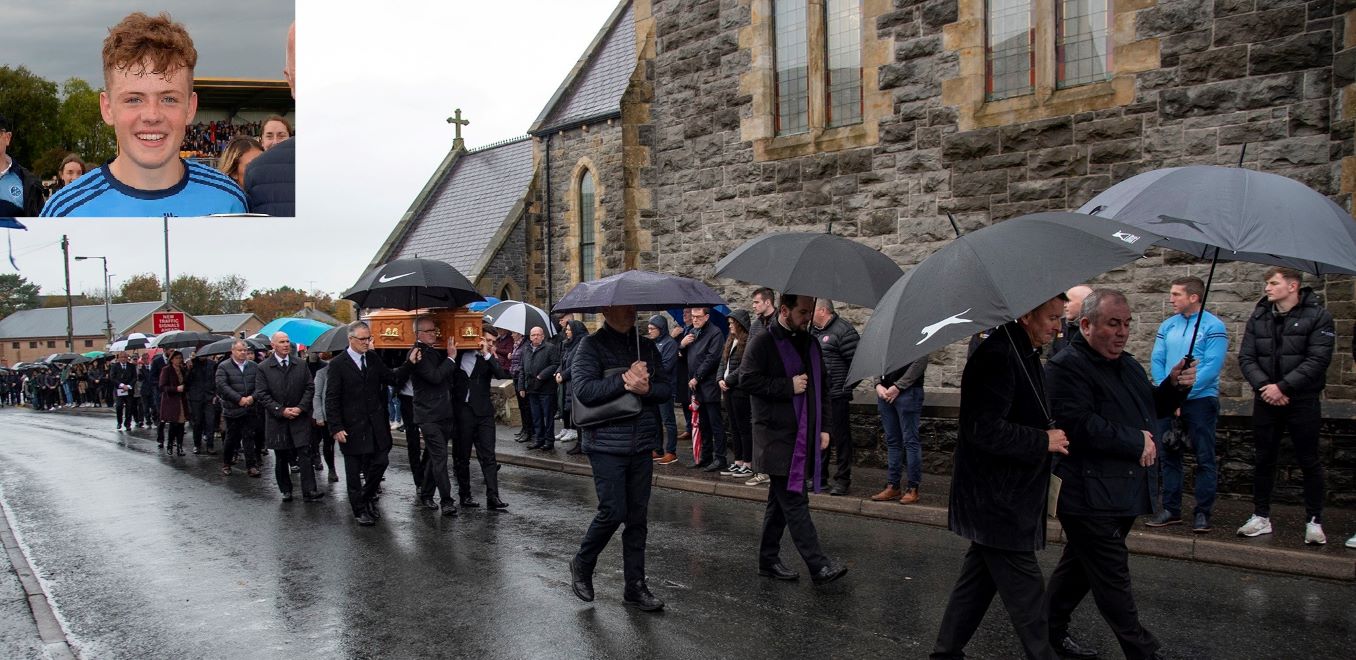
[954, 319]
[384, 279]
[1127, 237]
[1170, 220]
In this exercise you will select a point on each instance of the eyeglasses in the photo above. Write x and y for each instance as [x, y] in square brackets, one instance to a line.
[432, 330]
[361, 339]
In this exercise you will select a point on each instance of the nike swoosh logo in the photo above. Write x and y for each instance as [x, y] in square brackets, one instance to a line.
[384, 279]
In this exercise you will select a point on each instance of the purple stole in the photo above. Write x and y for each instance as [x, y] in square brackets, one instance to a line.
[795, 478]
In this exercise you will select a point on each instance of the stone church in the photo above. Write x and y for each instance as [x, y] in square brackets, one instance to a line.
[689, 126]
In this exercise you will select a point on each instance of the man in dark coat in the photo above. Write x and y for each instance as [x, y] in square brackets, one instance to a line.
[284, 388]
[658, 332]
[788, 384]
[124, 375]
[541, 360]
[475, 420]
[701, 350]
[152, 387]
[838, 343]
[611, 363]
[235, 380]
[432, 413]
[271, 179]
[355, 414]
[201, 394]
[1102, 398]
[999, 484]
[21, 195]
[1287, 347]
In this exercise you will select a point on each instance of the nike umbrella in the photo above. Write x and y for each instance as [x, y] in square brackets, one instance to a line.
[813, 264]
[411, 284]
[986, 278]
[1234, 214]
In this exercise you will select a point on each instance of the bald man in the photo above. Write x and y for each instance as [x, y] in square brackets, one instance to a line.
[270, 181]
[284, 389]
[1072, 308]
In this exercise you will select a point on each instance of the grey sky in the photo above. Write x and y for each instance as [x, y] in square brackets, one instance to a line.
[375, 86]
[60, 39]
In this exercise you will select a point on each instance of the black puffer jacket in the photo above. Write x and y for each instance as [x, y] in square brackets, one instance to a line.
[608, 349]
[271, 181]
[838, 343]
[1292, 350]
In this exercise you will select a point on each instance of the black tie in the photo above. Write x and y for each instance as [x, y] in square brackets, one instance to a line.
[284, 364]
[362, 363]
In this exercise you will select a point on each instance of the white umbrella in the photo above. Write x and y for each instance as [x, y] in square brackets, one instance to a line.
[519, 317]
[129, 342]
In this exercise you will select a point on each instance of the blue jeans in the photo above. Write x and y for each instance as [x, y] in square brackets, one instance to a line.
[900, 422]
[1198, 418]
[392, 405]
[670, 423]
[543, 416]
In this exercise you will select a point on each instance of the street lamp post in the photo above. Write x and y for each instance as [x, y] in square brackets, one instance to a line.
[108, 319]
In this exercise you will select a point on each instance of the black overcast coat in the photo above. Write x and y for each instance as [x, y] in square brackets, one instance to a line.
[1292, 350]
[1002, 463]
[1105, 406]
[608, 349]
[763, 375]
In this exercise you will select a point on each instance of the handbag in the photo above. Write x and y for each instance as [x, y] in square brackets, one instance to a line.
[1175, 439]
[624, 407]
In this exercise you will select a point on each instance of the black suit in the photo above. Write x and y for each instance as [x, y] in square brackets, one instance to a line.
[703, 358]
[432, 411]
[475, 421]
[277, 388]
[355, 403]
[123, 373]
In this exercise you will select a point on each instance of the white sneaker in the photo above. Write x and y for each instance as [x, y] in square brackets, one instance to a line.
[560, 434]
[571, 435]
[1256, 526]
[758, 480]
[1351, 542]
[1313, 533]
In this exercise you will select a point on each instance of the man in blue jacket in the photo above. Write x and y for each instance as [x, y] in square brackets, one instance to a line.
[1200, 412]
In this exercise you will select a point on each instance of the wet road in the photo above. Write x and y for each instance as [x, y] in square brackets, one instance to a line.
[147, 556]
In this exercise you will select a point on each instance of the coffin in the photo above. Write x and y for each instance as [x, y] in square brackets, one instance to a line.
[394, 328]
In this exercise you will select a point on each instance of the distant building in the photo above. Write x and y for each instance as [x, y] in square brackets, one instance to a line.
[33, 334]
[236, 325]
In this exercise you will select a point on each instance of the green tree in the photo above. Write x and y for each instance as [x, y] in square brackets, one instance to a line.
[195, 295]
[144, 287]
[30, 103]
[16, 293]
[232, 290]
[81, 125]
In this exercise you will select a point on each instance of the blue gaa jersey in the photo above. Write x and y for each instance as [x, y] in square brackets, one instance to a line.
[11, 194]
[202, 191]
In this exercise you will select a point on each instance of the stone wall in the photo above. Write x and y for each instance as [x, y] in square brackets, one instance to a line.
[509, 263]
[599, 148]
[1230, 73]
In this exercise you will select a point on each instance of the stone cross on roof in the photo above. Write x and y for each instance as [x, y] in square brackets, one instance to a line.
[458, 122]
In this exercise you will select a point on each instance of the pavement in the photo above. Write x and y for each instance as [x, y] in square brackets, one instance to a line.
[149, 556]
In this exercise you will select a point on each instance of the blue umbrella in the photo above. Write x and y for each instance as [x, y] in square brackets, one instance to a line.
[300, 331]
[484, 304]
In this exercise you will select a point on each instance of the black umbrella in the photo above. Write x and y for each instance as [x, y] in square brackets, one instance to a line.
[129, 342]
[61, 358]
[331, 341]
[411, 284]
[186, 339]
[985, 279]
[813, 264]
[519, 317]
[1234, 214]
[644, 289]
[223, 346]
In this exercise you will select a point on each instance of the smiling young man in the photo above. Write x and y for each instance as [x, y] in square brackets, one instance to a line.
[149, 101]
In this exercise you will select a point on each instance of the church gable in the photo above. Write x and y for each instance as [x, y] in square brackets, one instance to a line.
[593, 90]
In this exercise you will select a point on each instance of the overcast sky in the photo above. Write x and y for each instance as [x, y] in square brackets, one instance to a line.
[375, 87]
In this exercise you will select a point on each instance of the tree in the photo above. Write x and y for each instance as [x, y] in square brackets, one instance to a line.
[232, 290]
[30, 103]
[270, 304]
[81, 125]
[144, 287]
[16, 293]
[195, 295]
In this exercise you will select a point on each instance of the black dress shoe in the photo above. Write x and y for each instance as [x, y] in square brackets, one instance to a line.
[575, 450]
[1066, 647]
[448, 509]
[313, 497]
[581, 581]
[778, 571]
[715, 466]
[638, 595]
[699, 466]
[828, 573]
[838, 489]
[428, 503]
[521, 438]
[287, 497]
[495, 504]
[365, 519]
[372, 511]
[535, 445]
[469, 502]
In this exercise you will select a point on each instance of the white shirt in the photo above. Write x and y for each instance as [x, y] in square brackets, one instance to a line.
[734, 343]
[282, 359]
[468, 364]
[240, 365]
[357, 358]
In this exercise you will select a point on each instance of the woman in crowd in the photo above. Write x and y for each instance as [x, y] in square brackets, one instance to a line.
[237, 157]
[738, 409]
[173, 410]
[72, 168]
[574, 331]
[275, 130]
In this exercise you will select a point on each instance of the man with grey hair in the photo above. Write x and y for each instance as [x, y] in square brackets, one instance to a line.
[432, 377]
[1101, 397]
[355, 414]
[235, 379]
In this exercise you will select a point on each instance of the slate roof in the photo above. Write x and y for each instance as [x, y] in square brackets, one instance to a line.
[224, 322]
[316, 315]
[470, 205]
[594, 91]
[87, 320]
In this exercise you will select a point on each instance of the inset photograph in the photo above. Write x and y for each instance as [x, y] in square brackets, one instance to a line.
[180, 109]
